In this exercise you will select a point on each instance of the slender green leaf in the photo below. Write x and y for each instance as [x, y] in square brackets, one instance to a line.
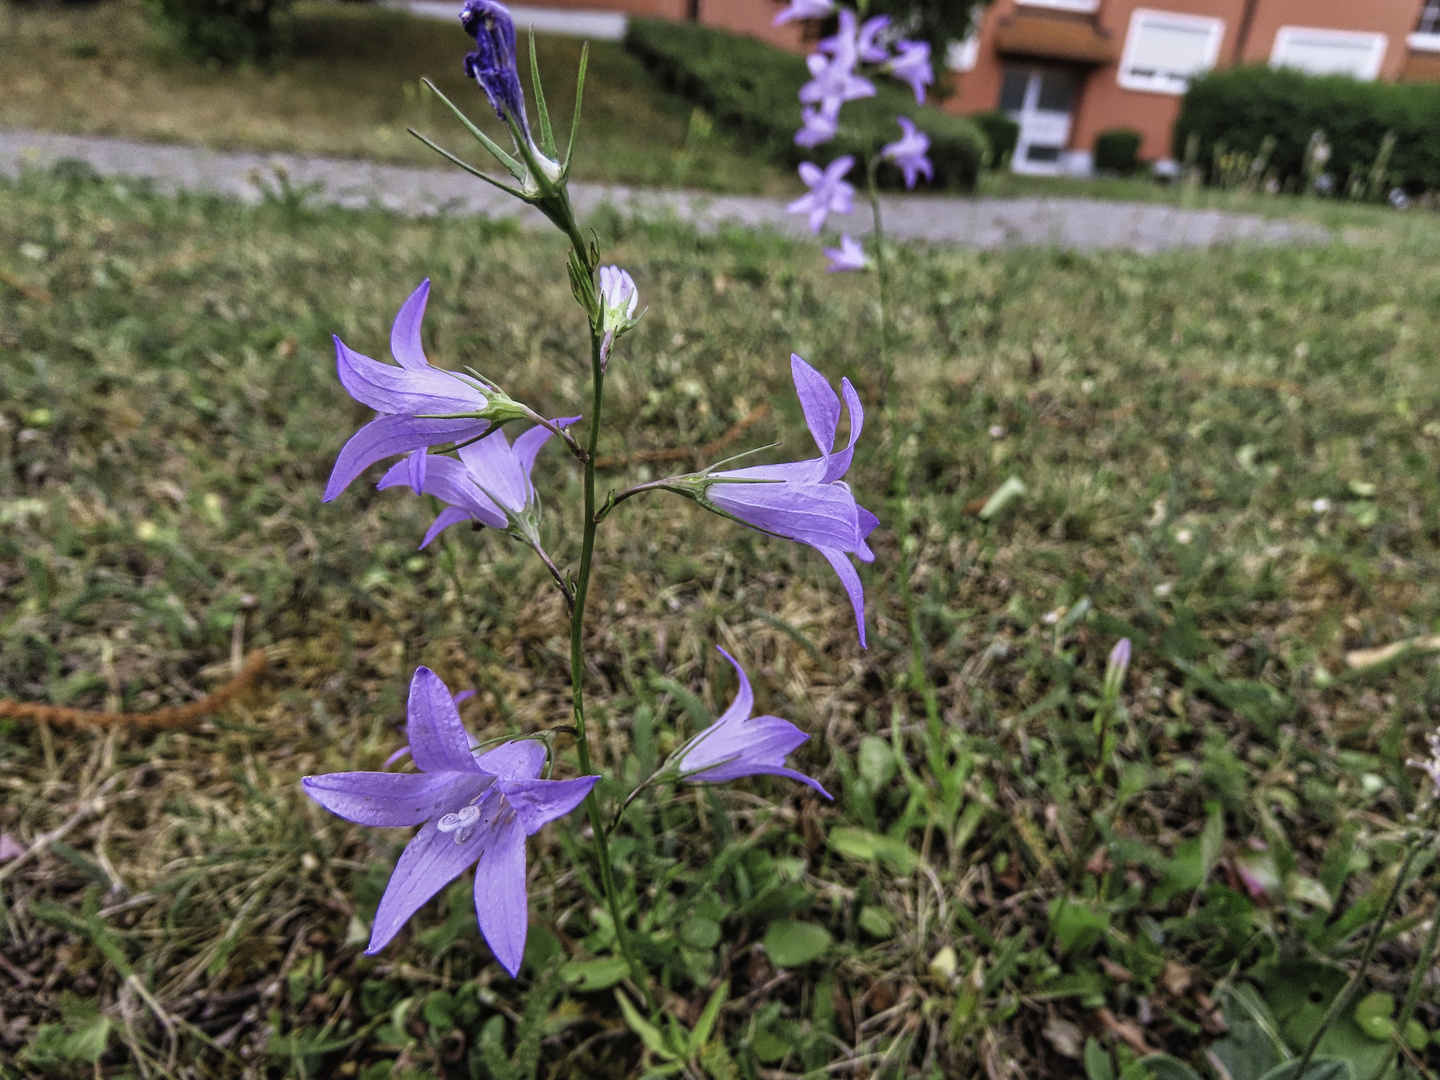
[516, 169]
[649, 1034]
[705, 1026]
[575, 122]
[542, 114]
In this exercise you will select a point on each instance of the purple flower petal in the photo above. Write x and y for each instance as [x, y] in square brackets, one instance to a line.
[529, 442]
[744, 702]
[501, 902]
[519, 759]
[438, 740]
[430, 862]
[818, 401]
[387, 389]
[451, 515]
[850, 579]
[448, 480]
[392, 800]
[537, 802]
[387, 436]
[405, 344]
[837, 465]
[822, 515]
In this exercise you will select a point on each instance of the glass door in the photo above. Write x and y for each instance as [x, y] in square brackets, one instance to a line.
[1040, 100]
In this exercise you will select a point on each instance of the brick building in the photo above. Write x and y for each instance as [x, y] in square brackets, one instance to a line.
[1068, 70]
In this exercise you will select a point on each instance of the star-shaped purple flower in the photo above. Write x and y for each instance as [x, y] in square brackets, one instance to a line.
[738, 744]
[805, 9]
[807, 501]
[832, 69]
[829, 192]
[848, 256]
[472, 810]
[490, 484]
[816, 126]
[912, 65]
[420, 405]
[909, 152]
[492, 64]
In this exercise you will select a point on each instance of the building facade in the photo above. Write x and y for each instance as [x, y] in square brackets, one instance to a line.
[1068, 70]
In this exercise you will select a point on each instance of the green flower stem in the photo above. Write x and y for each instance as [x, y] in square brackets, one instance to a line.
[1342, 1000]
[901, 478]
[577, 657]
[1417, 984]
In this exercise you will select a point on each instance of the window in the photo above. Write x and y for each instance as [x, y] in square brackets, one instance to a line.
[1328, 52]
[1086, 7]
[964, 55]
[1426, 37]
[1163, 50]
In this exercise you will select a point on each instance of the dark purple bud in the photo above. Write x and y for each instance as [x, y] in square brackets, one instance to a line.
[492, 64]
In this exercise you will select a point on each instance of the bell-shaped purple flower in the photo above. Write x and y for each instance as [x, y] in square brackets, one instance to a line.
[493, 63]
[807, 501]
[805, 9]
[909, 152]
[489, 484]
[738, 744]
[912, 65]
[419, 405]
[867, 40]
[829, 192]
[472, 809]
[848, 256]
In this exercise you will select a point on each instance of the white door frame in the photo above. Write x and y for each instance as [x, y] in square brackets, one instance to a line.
[1041, 128]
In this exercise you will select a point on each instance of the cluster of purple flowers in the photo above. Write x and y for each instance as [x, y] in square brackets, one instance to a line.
[442, 432]
[838, 73]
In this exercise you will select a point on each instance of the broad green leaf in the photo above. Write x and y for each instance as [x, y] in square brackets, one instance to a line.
[1318, 1069]
[1373, 1013]
[1097, 1062]
[876, 922]
[1076, 925]
[699, 932]
[591, 975]
[88, 1041]
[790, 943]
[1308, 891]
[876, 761]
[1165, 1067]
[769, 1047]
[863, 846]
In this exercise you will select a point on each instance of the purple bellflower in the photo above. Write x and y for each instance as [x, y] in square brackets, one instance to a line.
[489, 485]
[829, 192]
[492, 64]
[420, 406]
[817, 126]
[805, 9]
[867, 42]
[909, 152]
[472, 809]
[804, 501]
[912, 65]
[848, 256]
[738, 744]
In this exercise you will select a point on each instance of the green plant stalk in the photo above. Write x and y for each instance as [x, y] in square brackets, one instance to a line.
[1417, 984]
[901, 481]
[1342, 1000]
[577, 657]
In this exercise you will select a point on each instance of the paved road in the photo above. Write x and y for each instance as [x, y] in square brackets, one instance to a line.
[1082, 224]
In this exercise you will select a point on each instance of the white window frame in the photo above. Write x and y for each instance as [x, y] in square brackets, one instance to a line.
[1378, 43]
[1085, 7]
[963, 55]
[1162, 83]
[1424, 42]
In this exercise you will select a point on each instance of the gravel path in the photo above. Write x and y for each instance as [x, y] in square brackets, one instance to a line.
[1081, 224]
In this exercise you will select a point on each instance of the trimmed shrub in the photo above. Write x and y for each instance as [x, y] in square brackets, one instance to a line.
[1240, 107]
[751, 87]
[225, 31]
[1118, 151]
[1002, 133]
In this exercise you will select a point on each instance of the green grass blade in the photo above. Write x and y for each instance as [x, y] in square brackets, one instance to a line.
[515, 168]
[542, 114]
[466, 165]
[575, 123]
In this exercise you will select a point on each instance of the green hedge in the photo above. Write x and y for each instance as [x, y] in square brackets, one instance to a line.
[1240, 107]
[225, 31]
[1118, 151]
[751, 87]
[1002, 133]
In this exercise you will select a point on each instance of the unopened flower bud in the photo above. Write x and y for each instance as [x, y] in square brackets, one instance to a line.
[1115, 668]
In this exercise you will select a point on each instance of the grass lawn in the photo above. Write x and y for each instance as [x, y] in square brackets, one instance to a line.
[349, 89]
[1228, 456]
